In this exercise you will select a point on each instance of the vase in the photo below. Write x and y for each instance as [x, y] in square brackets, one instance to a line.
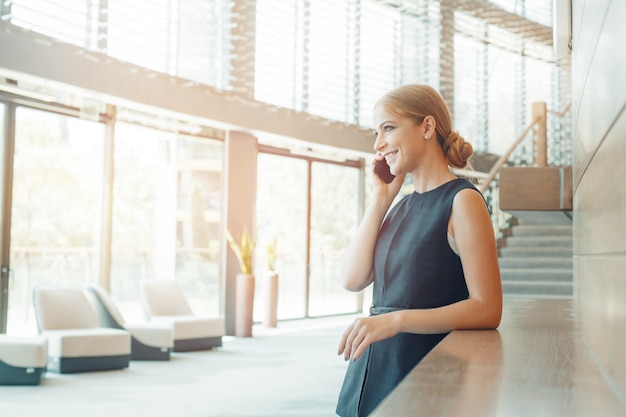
[244, 305]
[271, 299]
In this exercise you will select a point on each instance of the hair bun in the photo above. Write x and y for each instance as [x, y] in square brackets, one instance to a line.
[457, 150]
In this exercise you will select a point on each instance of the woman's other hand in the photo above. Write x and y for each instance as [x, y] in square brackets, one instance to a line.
[364, 331]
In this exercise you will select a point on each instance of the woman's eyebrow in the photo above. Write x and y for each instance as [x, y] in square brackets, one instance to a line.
[384, 123]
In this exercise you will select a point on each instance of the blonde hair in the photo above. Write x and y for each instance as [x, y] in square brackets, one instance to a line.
[417, 101]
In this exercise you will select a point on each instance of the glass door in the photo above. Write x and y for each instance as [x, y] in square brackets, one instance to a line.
[312, 209]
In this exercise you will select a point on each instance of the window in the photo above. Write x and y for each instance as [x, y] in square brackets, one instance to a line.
[540, 77]
[470, 87]
[503, 99]
[144, 208]
[166, 212]
[55, 225]
[334, 218]
[203, 48]
[67, 20]
[278, 55]
[335, 59]
[198, 219]
[281, 212]
[140, 32]
[498, 75]
[419, 50]
[187, 38]
[282, 202]
[539, 11]
[330, 60]
[378, 56]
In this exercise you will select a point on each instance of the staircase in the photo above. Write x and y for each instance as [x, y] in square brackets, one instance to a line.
[536, 261]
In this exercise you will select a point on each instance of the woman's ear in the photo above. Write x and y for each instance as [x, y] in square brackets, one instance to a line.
[429, 125]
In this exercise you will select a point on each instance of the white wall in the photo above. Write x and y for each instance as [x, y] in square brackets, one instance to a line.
[599, 178]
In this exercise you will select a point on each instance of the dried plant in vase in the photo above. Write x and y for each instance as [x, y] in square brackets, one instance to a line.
[244, 303]
[271, 284]
[271, 253]
[243, 250]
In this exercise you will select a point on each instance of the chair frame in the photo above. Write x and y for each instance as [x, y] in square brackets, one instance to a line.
[180, 345]
[139, 350]
[83, 363]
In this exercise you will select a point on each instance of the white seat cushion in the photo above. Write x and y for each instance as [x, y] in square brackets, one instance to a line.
[192, 327]
[152, 334]
[73, 343]
[24, 352]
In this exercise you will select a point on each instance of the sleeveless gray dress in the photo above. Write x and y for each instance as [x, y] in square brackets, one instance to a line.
[414, 268]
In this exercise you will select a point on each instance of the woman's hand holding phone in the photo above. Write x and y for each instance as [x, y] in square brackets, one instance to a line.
[382, 170]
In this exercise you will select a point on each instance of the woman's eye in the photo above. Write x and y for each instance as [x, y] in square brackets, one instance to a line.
[388, 128]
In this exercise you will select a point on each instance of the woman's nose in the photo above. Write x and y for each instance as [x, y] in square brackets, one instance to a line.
[379, 144]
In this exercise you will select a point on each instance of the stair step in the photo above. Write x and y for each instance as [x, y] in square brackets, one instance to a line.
[564, 262]
[539, 241]
[536, 261]
[542, 288]
[534, 275]
[541, 230]
[520, 251]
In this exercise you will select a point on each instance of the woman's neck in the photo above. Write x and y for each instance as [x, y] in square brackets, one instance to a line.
[431, 177]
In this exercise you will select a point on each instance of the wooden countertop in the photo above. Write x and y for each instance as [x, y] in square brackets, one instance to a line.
[536, 364]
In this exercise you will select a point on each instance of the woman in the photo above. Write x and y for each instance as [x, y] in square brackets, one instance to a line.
[432, 259]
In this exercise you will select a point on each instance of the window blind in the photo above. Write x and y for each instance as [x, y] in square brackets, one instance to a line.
[279, 50]
[333, 59]
[70, 21]
[186, 38]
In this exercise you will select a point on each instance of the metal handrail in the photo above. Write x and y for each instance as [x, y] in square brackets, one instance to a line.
[562, 112]
[487, 183]
[505, 157]
[495, 169]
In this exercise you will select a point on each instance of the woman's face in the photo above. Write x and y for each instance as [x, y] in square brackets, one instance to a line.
[398, 140]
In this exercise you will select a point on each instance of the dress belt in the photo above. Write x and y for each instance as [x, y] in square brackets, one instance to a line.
[375, 311]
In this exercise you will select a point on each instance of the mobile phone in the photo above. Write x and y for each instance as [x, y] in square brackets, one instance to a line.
[382, 170]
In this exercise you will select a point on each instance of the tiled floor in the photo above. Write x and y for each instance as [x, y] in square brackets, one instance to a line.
[289, 371]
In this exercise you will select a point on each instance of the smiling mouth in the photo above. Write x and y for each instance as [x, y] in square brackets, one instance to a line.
[390, 155]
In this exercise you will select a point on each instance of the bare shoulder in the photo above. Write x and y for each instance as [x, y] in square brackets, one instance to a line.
[469, 210]
[469, 199]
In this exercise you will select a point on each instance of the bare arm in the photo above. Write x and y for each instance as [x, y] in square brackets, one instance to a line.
[358, 260]
[475, 241]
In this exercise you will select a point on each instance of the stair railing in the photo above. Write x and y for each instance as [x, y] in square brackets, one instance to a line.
[495, 169]
[486, 182]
